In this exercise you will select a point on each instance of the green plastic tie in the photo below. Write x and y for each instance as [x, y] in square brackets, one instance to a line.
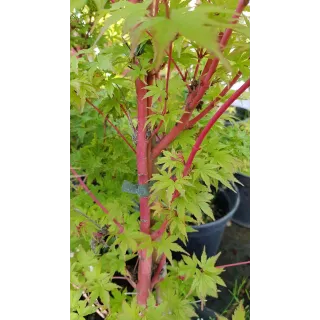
[142, 190]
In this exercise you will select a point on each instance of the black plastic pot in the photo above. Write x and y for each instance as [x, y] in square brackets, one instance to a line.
[242, 115]
[242, 214]
[209, 235]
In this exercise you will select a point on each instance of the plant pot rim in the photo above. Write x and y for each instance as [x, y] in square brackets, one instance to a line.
[237, 122]
[243, 175]
[222, 220]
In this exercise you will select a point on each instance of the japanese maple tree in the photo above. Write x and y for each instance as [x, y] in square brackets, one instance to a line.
[150, 84]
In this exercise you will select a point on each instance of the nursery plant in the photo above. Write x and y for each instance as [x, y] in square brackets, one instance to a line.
[149, 84]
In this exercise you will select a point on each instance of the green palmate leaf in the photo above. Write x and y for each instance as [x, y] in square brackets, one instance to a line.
[86, 258]
[105, 297]
[83, 310]
[203, 33]
[153, 119]
[178, 228]
[100, 4]
[166, 245]
[74, 316]
[178, 46]
[131, 13]
[205, 279]
[163, 33]
[105, 62]
[239, 313]
[74, 64]
[74, 299]
[176, 306]
[77, 4]
[155, 91]
[206, 171]
[200, 25]
[130, 312]
[137, 72]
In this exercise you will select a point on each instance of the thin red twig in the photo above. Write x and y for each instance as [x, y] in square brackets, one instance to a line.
[167, 9]
[158, 233]
[155, 278]
[215, 101]
[113, 126]
[156, 7]
[212, 121]
[125, 112]
[133, 284]
[207, 128]
[200, 56]
[95, 199]
[175, 65]
[233, 264]
[120, 134]
[197, 68]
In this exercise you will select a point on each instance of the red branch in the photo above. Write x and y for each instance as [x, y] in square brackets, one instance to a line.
[150, 78]
[125, 112]
[95, 199]
[155, 278]
[212, 121]
[200, 57]
[133, 284]
[167, 9]
[197, 68]
[145, 262]
[224, 266]
[180, 73]
[167, 91]
[215, 101]
[156, 7]
[113, 126]
[158, 233]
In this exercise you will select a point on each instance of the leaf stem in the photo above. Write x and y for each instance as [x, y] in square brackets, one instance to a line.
[133, 284]
[175, 65]
[233, 264]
